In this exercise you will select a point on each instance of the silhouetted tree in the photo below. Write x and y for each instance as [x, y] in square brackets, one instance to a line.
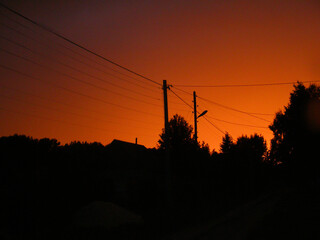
[250, 153]
[296, 131]
[253, 147]
[205, 150]
[179, 134]
[189, 162]
[239, 175]
[227, 143]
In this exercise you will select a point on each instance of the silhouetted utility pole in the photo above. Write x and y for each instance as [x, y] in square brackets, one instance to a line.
[165, 100]
[166, 142]
[195, 116]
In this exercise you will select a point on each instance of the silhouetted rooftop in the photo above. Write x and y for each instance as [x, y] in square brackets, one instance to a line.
[125, 146]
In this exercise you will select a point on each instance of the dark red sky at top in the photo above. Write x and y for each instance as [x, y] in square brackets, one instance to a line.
[185, 42]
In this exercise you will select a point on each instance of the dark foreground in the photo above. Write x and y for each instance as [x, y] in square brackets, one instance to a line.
[290, 213]
[285, 213]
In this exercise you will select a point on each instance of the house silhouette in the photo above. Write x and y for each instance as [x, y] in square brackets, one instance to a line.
[132, 168]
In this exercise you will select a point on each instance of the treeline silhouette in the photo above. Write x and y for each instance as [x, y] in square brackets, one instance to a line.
[45, 184]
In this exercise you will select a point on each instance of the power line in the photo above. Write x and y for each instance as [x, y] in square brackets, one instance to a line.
[234, 123]
[219, 119]
[192, 108]
[240, 124]
[181, 99]
[244, 85]
[181, 90]
[75, 92]
[173, 102]
[70, 105]
[227, 107]
[265, 114]
[71, 67]
[233, 109]
[250, 114]
[77, 44]
[182, 103]
[77, 59]
[62, 111]
[208, 127]
[214, 125]
[76, 79]
[63, 121]
[51, 108]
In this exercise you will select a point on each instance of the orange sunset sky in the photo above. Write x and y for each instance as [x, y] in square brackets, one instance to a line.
[50, 88]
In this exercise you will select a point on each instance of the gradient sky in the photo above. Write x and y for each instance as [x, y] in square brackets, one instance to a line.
[184, 42]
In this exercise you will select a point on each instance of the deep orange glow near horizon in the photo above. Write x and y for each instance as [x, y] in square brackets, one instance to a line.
[55, 92]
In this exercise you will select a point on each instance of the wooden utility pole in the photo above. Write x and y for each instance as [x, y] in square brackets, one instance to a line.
[166, 143]
[165, 100]
[195, 117]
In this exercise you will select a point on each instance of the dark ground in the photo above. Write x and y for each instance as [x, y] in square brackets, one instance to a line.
[289, 213]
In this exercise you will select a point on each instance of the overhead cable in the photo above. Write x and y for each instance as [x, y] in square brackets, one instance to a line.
[214, 125]
[76, 44]
[65, 112]
[70, 67]
[181, 99]
[75, 92]
[74, 78]
[233, 109]
[192, 108]
[244, 85]
[78, 59]
[62, 121]
[234, 123]
[71, 105]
